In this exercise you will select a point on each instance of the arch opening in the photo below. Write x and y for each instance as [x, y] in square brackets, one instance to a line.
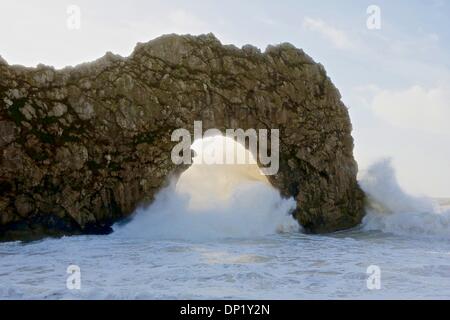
[216, 200]
[211, 179]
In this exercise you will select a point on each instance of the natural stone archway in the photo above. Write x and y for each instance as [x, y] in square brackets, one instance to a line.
[82, 147]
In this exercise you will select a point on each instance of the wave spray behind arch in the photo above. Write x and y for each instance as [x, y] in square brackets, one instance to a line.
[392, 210]
[214, 201]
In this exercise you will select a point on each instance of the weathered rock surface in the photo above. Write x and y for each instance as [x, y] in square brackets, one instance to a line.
[82, 147]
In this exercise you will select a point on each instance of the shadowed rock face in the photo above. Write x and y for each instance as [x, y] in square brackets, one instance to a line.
[82, 147]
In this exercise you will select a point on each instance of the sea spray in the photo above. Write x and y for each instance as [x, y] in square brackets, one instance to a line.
[214, 201]
[254, 209]
[390, 209]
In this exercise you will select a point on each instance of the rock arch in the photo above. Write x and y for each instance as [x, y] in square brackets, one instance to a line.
[83, 146]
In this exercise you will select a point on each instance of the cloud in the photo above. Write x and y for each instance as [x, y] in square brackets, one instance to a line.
[337, 37]
[415, 108]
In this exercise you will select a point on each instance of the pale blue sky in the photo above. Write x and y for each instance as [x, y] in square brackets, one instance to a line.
[396, 80]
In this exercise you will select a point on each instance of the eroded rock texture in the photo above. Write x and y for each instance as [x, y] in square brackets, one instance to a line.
[82, 147]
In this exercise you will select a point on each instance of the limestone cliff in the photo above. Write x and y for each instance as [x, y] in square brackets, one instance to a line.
[81, 147]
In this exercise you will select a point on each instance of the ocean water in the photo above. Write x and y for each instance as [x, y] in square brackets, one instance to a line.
[279, 266]
[227, 238]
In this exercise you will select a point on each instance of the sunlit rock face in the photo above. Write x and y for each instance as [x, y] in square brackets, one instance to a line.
[83, 147]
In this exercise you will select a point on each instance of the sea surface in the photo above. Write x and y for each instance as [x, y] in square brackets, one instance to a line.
[279, 266]
[227, 238]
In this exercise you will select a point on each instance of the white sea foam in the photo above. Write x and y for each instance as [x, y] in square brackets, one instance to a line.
[214, 201]
[253, 209]
[390, 209]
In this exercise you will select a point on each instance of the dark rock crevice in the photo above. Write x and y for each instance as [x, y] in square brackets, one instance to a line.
[82, 147]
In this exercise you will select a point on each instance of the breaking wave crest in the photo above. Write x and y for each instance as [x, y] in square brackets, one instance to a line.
[390, 209]
[214, 201]
[253, 209]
